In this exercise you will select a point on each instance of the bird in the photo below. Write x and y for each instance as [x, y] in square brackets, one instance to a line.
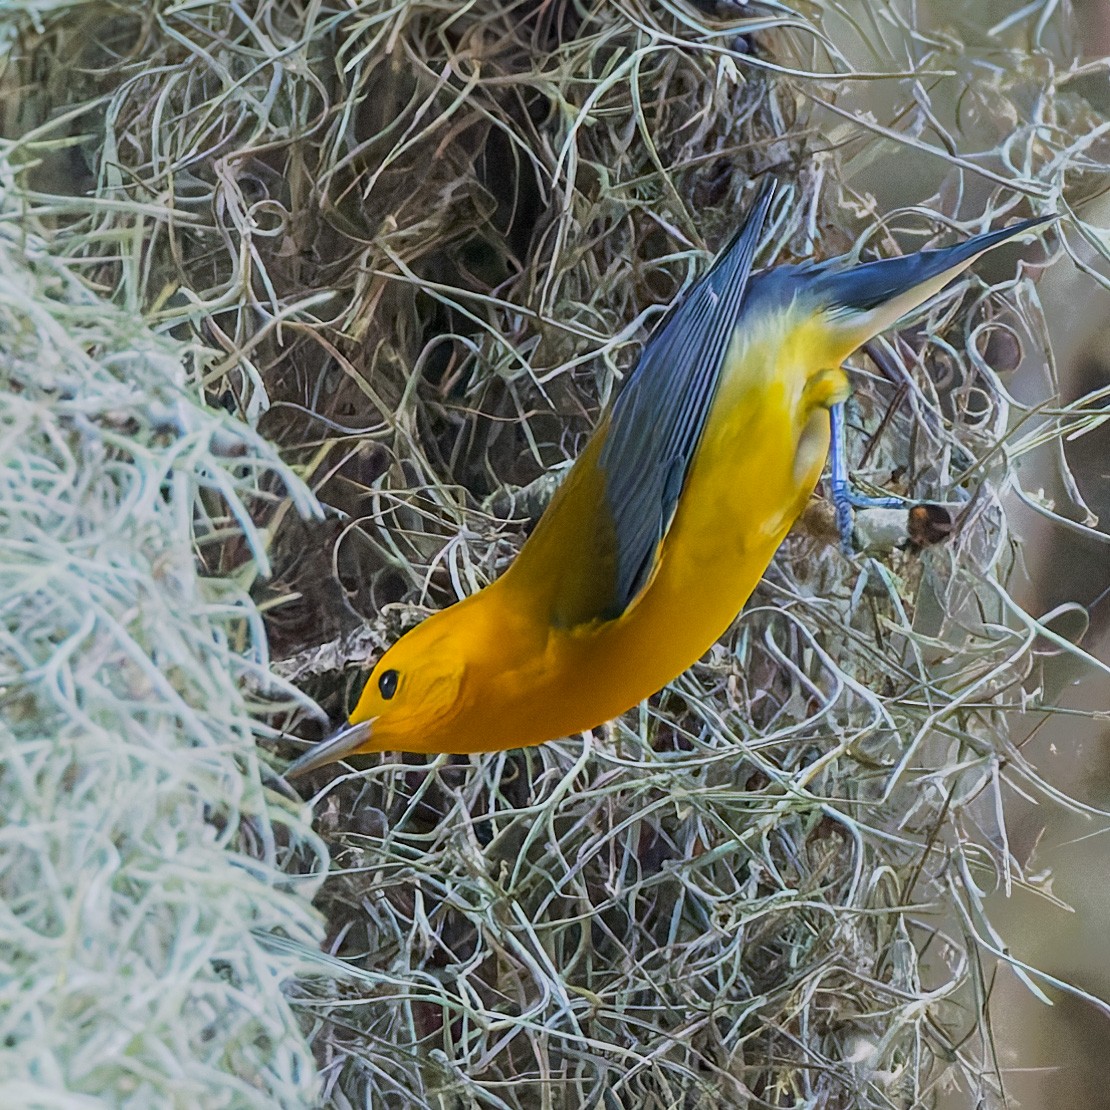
[665, 523]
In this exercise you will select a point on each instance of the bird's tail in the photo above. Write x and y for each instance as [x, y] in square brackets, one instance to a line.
[866, 299]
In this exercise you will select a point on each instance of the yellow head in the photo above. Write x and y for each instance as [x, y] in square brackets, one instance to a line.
[416, 697]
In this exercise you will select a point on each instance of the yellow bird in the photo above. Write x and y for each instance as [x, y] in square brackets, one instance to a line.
[666, 521]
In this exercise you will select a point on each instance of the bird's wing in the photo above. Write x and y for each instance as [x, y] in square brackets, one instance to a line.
[658, 419]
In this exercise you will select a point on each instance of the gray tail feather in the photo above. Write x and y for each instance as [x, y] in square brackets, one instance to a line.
[870, 284]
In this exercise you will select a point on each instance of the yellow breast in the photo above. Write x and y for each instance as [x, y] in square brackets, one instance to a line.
[760, 456]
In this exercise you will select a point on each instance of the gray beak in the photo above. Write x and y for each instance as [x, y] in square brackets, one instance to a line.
[341, 743]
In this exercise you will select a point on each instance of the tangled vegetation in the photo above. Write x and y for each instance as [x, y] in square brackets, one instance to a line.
[410, 248]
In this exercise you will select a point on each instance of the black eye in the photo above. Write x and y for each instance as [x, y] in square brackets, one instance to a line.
[388, 684]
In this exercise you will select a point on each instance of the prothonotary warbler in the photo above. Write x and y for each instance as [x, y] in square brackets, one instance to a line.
[666, 521]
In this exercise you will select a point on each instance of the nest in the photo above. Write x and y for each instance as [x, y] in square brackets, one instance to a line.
[400, 256]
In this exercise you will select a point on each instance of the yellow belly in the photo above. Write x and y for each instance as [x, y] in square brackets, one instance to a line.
[758, 461]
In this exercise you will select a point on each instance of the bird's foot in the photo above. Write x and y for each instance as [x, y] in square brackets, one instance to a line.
[845, 496]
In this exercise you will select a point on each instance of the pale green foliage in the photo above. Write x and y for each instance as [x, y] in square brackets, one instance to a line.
[141, 857]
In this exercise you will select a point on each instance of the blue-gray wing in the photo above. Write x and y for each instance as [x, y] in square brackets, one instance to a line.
[658, 419]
